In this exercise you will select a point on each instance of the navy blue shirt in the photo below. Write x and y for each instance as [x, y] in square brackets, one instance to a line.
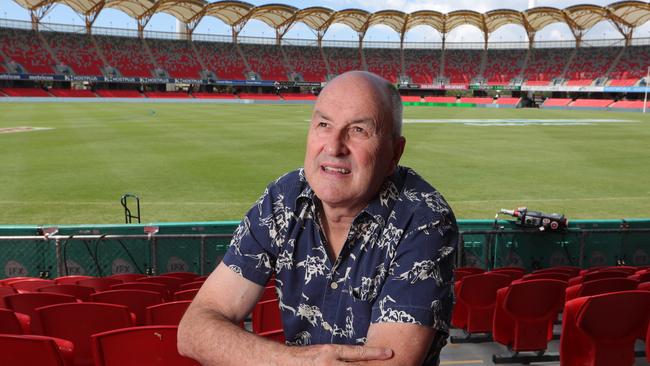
[395, 266]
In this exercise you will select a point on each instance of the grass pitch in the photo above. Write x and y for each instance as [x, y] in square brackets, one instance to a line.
[205, 162]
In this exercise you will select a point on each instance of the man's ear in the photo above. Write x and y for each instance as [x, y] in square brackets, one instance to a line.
[398, 149]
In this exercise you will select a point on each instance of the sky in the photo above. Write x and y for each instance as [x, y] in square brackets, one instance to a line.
[60, 13]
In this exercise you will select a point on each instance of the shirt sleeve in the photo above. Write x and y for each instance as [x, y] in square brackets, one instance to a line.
[251, 253]
[419, 286]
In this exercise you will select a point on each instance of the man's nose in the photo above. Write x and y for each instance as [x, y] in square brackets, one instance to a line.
[337, 144]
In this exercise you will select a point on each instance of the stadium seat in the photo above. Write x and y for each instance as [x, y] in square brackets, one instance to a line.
[473, 270]
[70, 280]
[30, 285]
[548, 276]
[191, 285]
[478, 294]
[601, 330]
[27, 304]
[524, 313]
[136, 300]
[269, 293]
[35, 350]
[5, 291]
[146, 345]
[99, 283]
[185, 277]
[80, 292]
[78, 321]
[14, 323]
[127, 277]
[172, 283]
[185, 294]
[600, 286]
[146, 286]
[514, 274]
[267, 320]
[596, 275]
[169, 313]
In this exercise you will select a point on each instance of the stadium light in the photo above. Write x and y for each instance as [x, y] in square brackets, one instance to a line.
[645, 96]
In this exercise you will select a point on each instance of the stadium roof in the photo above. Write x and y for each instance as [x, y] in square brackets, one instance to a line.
[624, 15]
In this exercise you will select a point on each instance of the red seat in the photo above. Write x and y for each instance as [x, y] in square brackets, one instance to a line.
[70, 280]
[169, 313]
[155, 287]
[136, 300]
[478, 294]
[596, 275]
[547, 276]
[183, 276]
[80, 292]
[27, 304]
[14, 323]
[30, 285]
[172, 283]
[127, 277]
[601, 330]
[524, 313]
[267, 320]
[185, 294]
[268, 294]
[78, 321]
[514, 274]
[601, 286]
[146, 345]
[5, 291]
[459, 313]
[99, 283]
[473, 270]
[35, 350]
[192, 285]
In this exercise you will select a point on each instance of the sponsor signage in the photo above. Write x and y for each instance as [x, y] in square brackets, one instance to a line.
[494, 87]
[625, 89]
[563, 88]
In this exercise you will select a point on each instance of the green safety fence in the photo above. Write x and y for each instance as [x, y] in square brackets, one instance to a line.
[100, 250]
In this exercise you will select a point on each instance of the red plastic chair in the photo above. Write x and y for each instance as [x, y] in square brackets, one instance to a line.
[547, 276]
[99, 283]
[571, 270]
[185, 294]
[641, 276]
[185, 277]
[525, 312]
[27, 304]
[459, 313]
[78, 321]
[601, 330]
[518, 269]
[127, 277]
[146, 286]
[14, 323]
[31, 350]
[80, 292]
[473, 270]
[267, 320]
[597, 275]
[169, 313]
[70, 280]
[30, 285]
[191, 285]
[5, 291]
[601, 286]
[136, 300]
[6, 281]
[514, 274]
[148, 345]
[478, 294]
[269, 293]
[172, 283]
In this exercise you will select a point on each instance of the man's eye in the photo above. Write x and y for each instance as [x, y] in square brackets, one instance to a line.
[322, 124]
[359, 131]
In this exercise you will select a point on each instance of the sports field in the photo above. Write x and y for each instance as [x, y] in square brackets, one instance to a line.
[206, 162]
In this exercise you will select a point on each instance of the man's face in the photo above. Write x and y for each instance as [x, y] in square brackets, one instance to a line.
[350, 145]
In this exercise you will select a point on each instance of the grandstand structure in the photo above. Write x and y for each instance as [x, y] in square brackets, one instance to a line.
[611, 70]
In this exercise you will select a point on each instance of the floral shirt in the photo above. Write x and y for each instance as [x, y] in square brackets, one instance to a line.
[395, 266]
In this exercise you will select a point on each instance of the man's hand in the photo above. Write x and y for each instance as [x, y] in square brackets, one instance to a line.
[331, 354]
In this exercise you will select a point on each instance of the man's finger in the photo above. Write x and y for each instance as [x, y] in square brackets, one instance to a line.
[363, 353]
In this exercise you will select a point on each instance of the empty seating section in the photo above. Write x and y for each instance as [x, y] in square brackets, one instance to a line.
[342, 59]
[259, 96]
[153, 94]
[580, 82]
[265, 60]
[76, 51]
[546, 64]
[200, 95]
[440, 99]
[26, 48]
[591, 103]
[623, 82]
[591, 62]
[126, 54]
[384, 62]
[176, 57]
[222, 59]
[422, 66]
[307, 61]
[631, 104]
[508, 101]
[477, 100]
[289, 96]
[462, 65]
[106, 93]
[633, 64]
[557, 102]
[503, 65]
[72, 93]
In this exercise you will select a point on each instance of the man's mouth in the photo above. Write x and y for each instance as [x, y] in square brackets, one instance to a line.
[330, 169]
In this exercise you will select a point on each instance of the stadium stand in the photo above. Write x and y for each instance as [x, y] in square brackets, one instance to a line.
[503, 65]
[342, 59]
[266, 61]
[307, 61]
[72, 93]
[411, 98]
[623, 82]
[422, 66]
[545, 64]
[557, 102]
[176, 57]
[591, 103]
[202, 95]
[580, 82]
[222, 59]
[126, 54]
[477, 100]
[628, 104]
[288, 96]
[440, 99]
[384, 62]
[591, 63]
[110, 93]
[25, 92]
[508, 101]
[462, 65]
[169, 94]
[26, 48]
[633, 63]
[76, 51]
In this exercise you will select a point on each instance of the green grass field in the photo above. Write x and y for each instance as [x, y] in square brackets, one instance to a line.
[206, 162]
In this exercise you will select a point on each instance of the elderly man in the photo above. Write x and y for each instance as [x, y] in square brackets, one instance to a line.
[361, 248]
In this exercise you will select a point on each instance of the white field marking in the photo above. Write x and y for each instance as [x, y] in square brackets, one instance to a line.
[519, 121]
[22, 129]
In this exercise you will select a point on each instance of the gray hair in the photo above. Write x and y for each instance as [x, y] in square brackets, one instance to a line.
[396, 109]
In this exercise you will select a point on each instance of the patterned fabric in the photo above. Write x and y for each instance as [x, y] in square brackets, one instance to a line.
[395, 266]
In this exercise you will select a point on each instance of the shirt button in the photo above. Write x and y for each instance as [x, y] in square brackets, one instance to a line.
[327, 327]
[334, 285]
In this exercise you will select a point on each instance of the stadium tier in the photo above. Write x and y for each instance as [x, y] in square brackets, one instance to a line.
[104, 93]
[25, 92]
[176, 57]
[306, 61]
[384, 62]
[545, 64]
[422, 66]
[462, 65]
[126, 54]
[503, 65]
[72, 93]
[591, 103]
[223, 59]
[341, 59]
[266, 61]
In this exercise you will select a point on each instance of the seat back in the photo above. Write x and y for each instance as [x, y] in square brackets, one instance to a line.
[185, 277]
[147, 286]
[191, 285]
[267, 320]
[27, 304]
[35, 350]
[13, 323]
[78, 321]
[169, 313]
[534, 299]
[146, 345]
[30, 285]
[547, 276]
[480, 289]
[600, 286]
[269, 293]
[172, 283]
[127, 277]
[614, 316]
[185, 294]
[70, 280]
[80, 292]
[99, 283]
[136, 300]
[5, 291]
